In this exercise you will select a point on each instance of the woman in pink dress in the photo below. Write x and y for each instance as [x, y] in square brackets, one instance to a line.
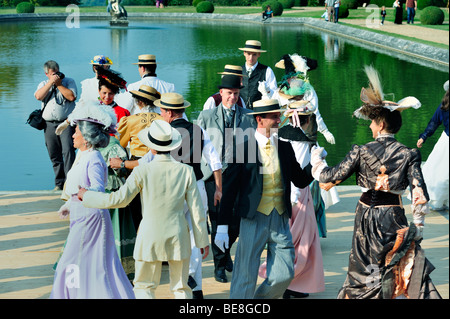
[89, 266]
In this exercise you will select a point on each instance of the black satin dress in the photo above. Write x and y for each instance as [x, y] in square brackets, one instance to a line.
[379, 214]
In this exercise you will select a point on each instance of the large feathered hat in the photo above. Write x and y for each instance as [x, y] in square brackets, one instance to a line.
[112, 77]
[373, 97]
[295, 81]
[92, 111]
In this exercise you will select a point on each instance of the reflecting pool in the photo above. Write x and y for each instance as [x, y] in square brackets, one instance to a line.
[189, 54]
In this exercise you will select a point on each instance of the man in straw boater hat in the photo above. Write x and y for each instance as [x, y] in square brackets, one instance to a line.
[147, 70]
[215, 99]
[259, 186]
[256, 72]
[164, 186]
[225, 124]
[196, 145]
[308, 265]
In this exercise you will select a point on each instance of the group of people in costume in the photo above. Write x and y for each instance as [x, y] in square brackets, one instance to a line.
[146, 180]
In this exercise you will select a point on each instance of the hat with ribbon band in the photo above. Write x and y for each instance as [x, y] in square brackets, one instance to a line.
[160, 136]
[172, 101]
[146, 59]
[266, 106]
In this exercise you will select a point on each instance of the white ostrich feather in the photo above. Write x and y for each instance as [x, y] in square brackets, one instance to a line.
[103, 114]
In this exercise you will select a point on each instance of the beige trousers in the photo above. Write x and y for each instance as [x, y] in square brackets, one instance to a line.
[148, 275]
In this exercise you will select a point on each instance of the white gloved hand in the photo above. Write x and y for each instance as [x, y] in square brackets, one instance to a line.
[317, 161]
[264, 89]
[63, 211]
[419, 211]
[61, 127]
[329, 137]
[222, 239]
[419, 233]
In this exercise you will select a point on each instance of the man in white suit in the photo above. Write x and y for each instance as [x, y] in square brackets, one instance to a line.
[164, 185]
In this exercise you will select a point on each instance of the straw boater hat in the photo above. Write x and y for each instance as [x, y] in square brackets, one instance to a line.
[160, 136]
[373, 97]
[266, 106]
[146, 92]
[172, 101]
[93, 112]
[252, 46]
[232, 70]
[101, 60]
[146, 59]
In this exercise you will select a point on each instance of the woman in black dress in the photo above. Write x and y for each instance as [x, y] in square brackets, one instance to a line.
[398, 11]
[386, 260]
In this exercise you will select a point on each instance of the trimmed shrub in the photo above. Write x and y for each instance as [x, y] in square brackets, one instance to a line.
[195, 2]
[343, 11]
[25, 7]
[432, 15]
[205, 7]
[351, 4]
[287, 4]
[277, 8]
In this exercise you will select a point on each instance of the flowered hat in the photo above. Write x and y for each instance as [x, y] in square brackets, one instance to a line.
[373, 96]
[101, 60]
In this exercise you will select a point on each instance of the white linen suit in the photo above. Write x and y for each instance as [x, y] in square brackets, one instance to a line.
[164, 185]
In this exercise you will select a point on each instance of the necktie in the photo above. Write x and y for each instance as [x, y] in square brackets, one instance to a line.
[249, 72]
[268, 148]
[229, 113]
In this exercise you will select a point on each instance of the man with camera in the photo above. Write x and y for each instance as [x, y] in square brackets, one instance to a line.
[58, 95]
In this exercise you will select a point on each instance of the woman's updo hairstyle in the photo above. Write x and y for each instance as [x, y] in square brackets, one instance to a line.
[94, 134]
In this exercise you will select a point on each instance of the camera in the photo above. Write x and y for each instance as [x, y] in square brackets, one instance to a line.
[60, 74]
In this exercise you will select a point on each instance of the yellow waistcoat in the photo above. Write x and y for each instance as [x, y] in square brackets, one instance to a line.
[272, 196]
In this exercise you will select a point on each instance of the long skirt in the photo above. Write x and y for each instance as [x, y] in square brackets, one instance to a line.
[308, 263]
[436, 174]
[89, 267]
[377, 256]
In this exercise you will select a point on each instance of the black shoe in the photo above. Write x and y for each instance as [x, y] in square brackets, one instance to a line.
[197, 294]
[220, 275]
[288, 294]
[192, 283]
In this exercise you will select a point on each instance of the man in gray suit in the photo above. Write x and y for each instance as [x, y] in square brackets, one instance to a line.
[224, 124]
[258, 189]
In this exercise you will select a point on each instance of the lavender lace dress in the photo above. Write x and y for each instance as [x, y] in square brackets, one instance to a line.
[89, 266]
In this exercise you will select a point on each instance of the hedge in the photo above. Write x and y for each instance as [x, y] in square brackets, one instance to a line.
[205, 7]
[25, 7]
[277, 8]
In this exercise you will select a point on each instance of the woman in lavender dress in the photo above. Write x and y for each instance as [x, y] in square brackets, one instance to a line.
[89, 266]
